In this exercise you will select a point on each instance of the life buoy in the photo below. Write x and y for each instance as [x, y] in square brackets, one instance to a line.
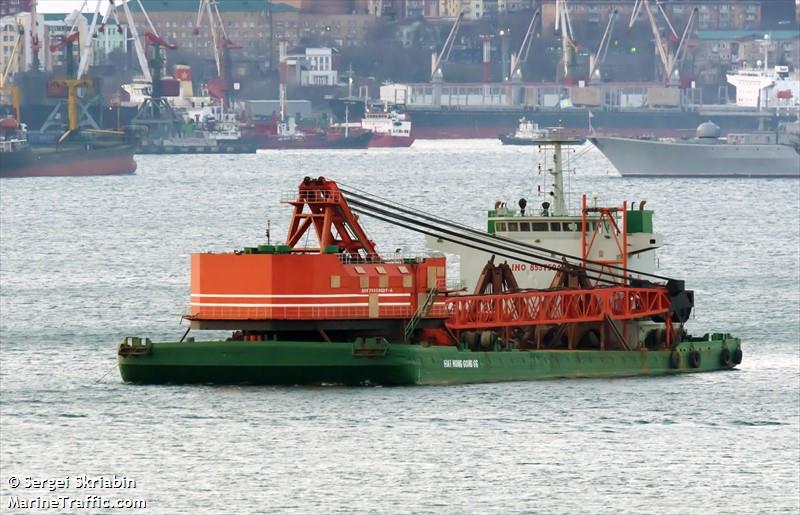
[725, 357]
[675, 359]
[737, 356]
[694, 359]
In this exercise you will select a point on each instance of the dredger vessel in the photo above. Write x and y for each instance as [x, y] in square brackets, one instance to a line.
[566, 302]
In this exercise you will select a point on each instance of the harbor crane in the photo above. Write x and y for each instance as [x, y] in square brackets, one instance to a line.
[222, 46]
[602, 49]
[447, 48]
[12, 91]
[77, 88]
[669, 61]
[155, 113]
[35, 43]
[524, 49]
[563, 23]
[68, 44]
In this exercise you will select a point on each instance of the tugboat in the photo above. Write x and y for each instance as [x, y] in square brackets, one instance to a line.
[526, 134]
[286, 135]
[218, 134]
[337, 312]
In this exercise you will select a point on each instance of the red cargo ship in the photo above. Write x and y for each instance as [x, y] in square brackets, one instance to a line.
[284, 135]
[79, 156]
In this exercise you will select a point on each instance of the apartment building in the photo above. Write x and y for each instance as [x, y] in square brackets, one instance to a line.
[337, 30]
[712, 14]
[247, 23]
[312, 67]
[735, 48]
[10, 52]
[16, 45]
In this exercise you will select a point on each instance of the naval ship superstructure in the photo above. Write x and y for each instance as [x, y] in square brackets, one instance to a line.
[758, 154]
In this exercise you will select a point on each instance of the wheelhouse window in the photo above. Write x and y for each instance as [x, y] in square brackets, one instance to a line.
[501, 226]
[555, 226]
[539, 226]
[525, 226]
[513, 227]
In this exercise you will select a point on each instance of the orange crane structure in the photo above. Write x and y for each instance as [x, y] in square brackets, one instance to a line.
[410, 294]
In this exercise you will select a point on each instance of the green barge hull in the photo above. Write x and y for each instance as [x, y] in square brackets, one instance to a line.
[377, 362]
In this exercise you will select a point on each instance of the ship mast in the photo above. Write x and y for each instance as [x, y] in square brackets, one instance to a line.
[557, 173]
[554, 142]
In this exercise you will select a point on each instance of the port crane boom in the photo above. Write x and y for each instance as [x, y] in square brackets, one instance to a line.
[680, 52]
[150, 35]
[155, 113]
[83, 65]
[524, 48]
[219, 35]
[668, 60]
[222, 45]
[444, 55]
[563, 23]
[13, 91]
[602, 49]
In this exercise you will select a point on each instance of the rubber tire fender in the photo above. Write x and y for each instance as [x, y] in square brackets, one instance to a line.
[725, 357]
[737, 356]
[695, 359]
[674, 359]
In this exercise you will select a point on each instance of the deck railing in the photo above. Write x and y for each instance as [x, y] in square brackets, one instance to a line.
[438, 310]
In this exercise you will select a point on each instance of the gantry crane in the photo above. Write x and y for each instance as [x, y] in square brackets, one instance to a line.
[77, 108]
[12, 91]
[155, 113]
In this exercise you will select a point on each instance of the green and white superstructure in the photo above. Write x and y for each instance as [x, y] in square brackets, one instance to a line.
[551, 225]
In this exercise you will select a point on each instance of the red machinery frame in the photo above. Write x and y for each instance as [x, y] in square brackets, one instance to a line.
[327, 211]
[619, 234]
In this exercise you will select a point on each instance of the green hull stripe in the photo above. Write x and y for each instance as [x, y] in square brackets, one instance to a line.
[289, 363]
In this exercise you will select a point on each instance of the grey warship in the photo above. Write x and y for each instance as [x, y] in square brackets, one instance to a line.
[757, 154]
